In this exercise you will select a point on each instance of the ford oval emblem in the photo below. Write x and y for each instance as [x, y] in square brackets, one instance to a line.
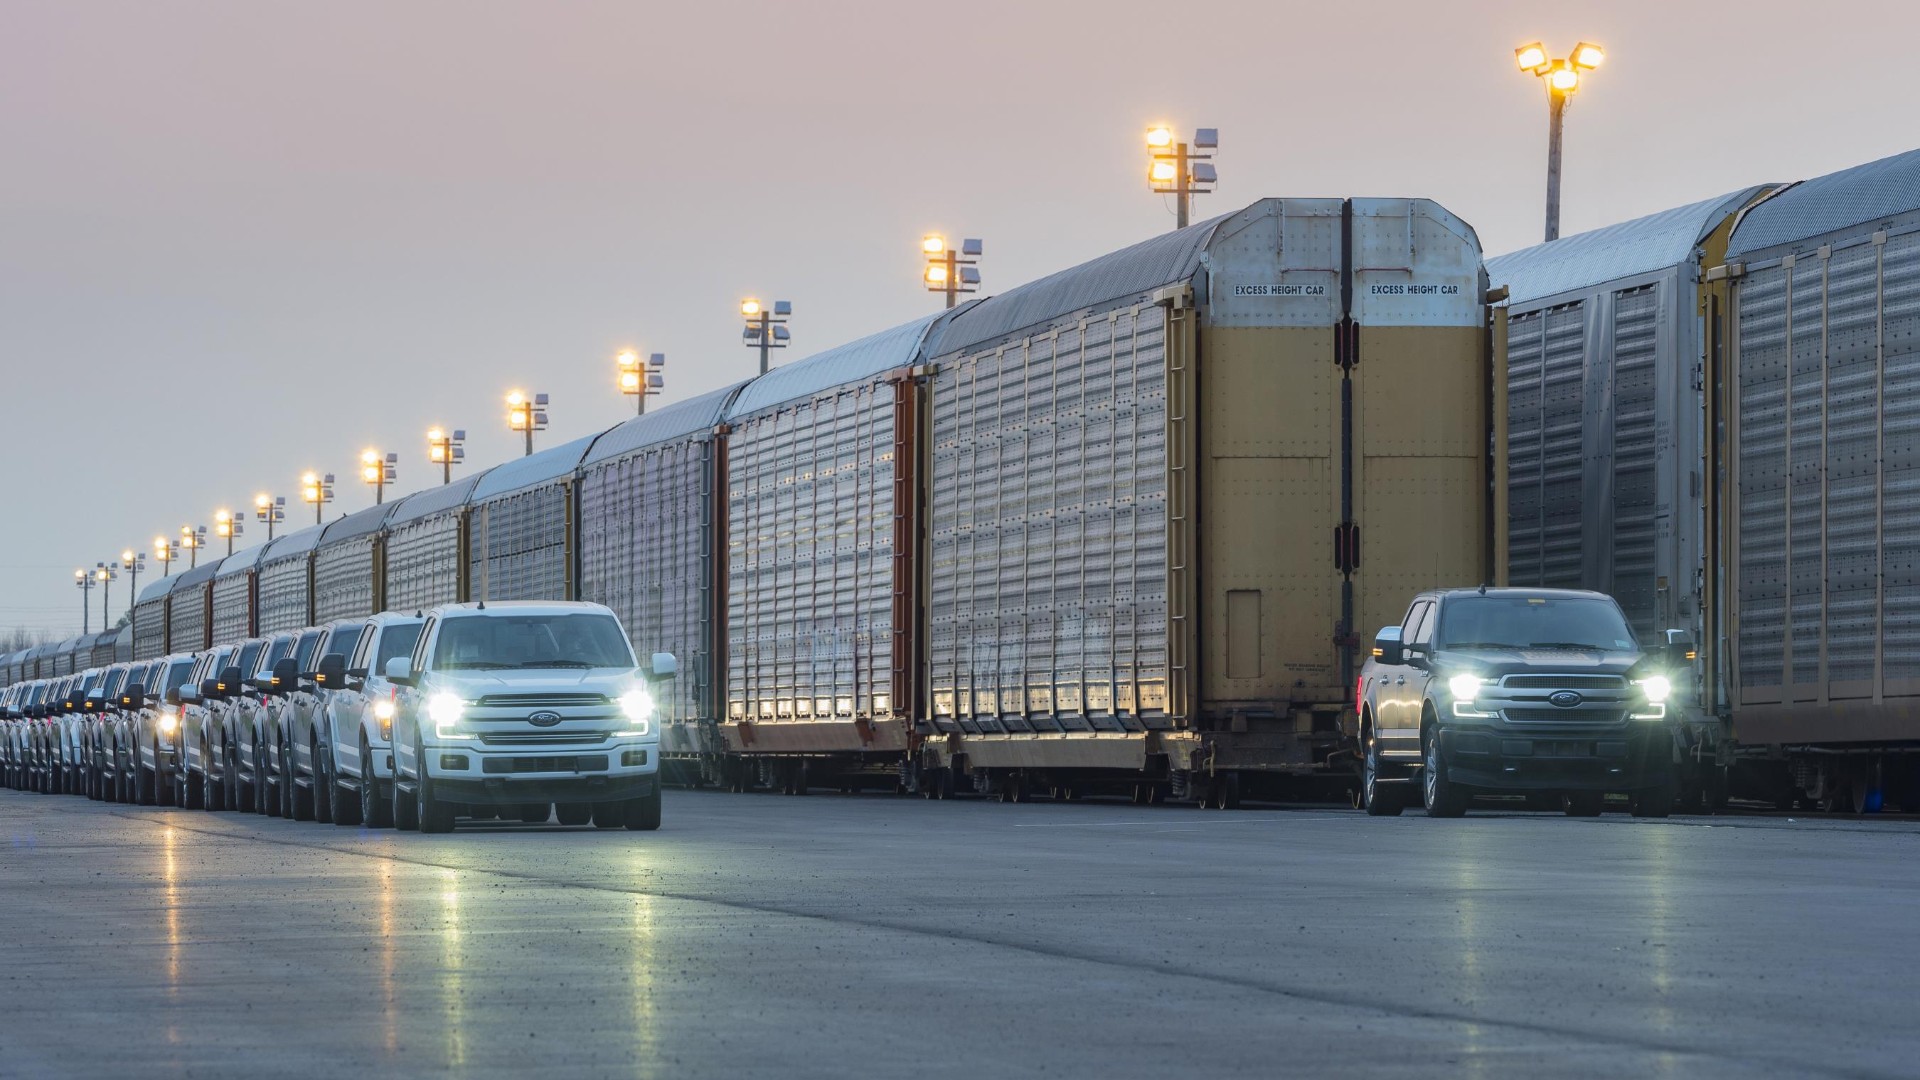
[548, 719]
[1564, 699]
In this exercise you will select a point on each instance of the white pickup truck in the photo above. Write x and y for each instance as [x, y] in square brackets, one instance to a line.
[524, 704]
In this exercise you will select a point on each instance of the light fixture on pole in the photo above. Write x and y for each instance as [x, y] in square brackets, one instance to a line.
[1178, 169]
[526, 415]
[1562, 79]
[379, 471]
[227, 525]
[766, 329]
[446, 450]
[106, 574]
[948, 271]
[84, 582]
[640, 380]
[164, 554]
[270, 510]
[193, 538]
[134, 561]
[316, 489]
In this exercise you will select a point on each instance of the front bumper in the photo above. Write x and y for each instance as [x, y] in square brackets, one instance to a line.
[1503, 757]
[471, 772]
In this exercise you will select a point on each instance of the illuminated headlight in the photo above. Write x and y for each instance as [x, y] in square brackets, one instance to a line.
[1657, 688]
[637, 704]
[1464, 689]
[383, 712]
[169, 723]
[445, 710]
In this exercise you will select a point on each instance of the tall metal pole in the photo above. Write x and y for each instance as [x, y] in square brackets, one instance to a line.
[953, 274]
[529, 452]
[1557, 108]
[766, 337]
[1181, 187]
[133, 590]
[446, 460]
[106, 590]
[86, 606]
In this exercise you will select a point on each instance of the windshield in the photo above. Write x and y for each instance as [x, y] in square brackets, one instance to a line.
[531, 641]
[177, 673]
[397, 641]
[1523, 622]
[248, 654]
[304, 652]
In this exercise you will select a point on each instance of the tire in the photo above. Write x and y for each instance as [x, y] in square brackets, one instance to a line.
[295, 803]
[144, 782]
[1584, 803]
[240, 793]
[1655, 801]
[375, 812]
[1441, 796]
[610, 815]
[266, 800]
[573, 813]
[536, 813]
[1378, 801]
[406, 808]
[195, 793]
[321, 795]
[643, 814]
[436, 815]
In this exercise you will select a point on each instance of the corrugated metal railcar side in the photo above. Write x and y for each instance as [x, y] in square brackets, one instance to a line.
[813, 568]
[105, 649]
[426, 548]
[646, 551]
[521, 521]
[189, 610]
[348, 580]
[285, 596]
[235, 594]
[1309, 373]
[150, 620]
[1822, 293]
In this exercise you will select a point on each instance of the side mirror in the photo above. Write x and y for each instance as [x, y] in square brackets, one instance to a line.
[135, 698]
[664, 666]
[332, 673]
[173, 697]
[1680, 650]
[286, 676]
[400, 671]
[1387, 648]
[229, 683]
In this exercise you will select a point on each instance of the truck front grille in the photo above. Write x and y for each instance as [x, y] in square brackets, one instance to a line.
[544, 738]
[569, 763]
[542, 701]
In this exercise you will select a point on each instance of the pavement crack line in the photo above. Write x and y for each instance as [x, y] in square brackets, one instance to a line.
[1385, 1010]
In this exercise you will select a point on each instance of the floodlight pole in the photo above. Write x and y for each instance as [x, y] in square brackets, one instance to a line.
[1556, 113]
[766, 339]
[1182, 190]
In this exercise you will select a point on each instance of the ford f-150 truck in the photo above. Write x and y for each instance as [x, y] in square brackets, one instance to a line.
[513, 704]
[1539, 692]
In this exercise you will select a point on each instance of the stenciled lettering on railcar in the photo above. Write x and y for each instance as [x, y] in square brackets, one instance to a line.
[1413, 289]
[1279, 290]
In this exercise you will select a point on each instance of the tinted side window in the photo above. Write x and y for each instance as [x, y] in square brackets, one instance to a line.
[1424, 632]
[1411, 624]
[358, 658]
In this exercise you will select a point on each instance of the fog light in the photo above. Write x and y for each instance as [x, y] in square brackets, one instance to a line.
[453, 762]
[634, 757]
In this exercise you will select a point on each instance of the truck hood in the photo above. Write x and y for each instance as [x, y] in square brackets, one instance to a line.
[474, 684]
[1493, 663]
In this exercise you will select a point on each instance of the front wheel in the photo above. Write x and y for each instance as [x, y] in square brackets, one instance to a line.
[295, 802]
[323, 788]
[643, 813]
[375, 812]
[1655, 801]
[436, 814]
[1443, 797]
[1584, 803]
[1380, 800]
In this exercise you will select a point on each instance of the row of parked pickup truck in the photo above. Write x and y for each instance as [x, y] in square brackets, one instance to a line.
[514, 711]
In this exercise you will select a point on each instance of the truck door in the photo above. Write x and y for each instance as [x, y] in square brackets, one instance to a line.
[1398, 697]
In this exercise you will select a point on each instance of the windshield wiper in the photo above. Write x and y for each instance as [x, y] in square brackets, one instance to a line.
[557, 663]
[1481, 645]
[473, 664]
[1568, 645]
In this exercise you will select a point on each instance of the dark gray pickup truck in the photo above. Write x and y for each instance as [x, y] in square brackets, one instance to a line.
[1541, 692]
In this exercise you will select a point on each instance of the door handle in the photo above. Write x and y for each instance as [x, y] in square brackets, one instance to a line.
[1401, 681]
